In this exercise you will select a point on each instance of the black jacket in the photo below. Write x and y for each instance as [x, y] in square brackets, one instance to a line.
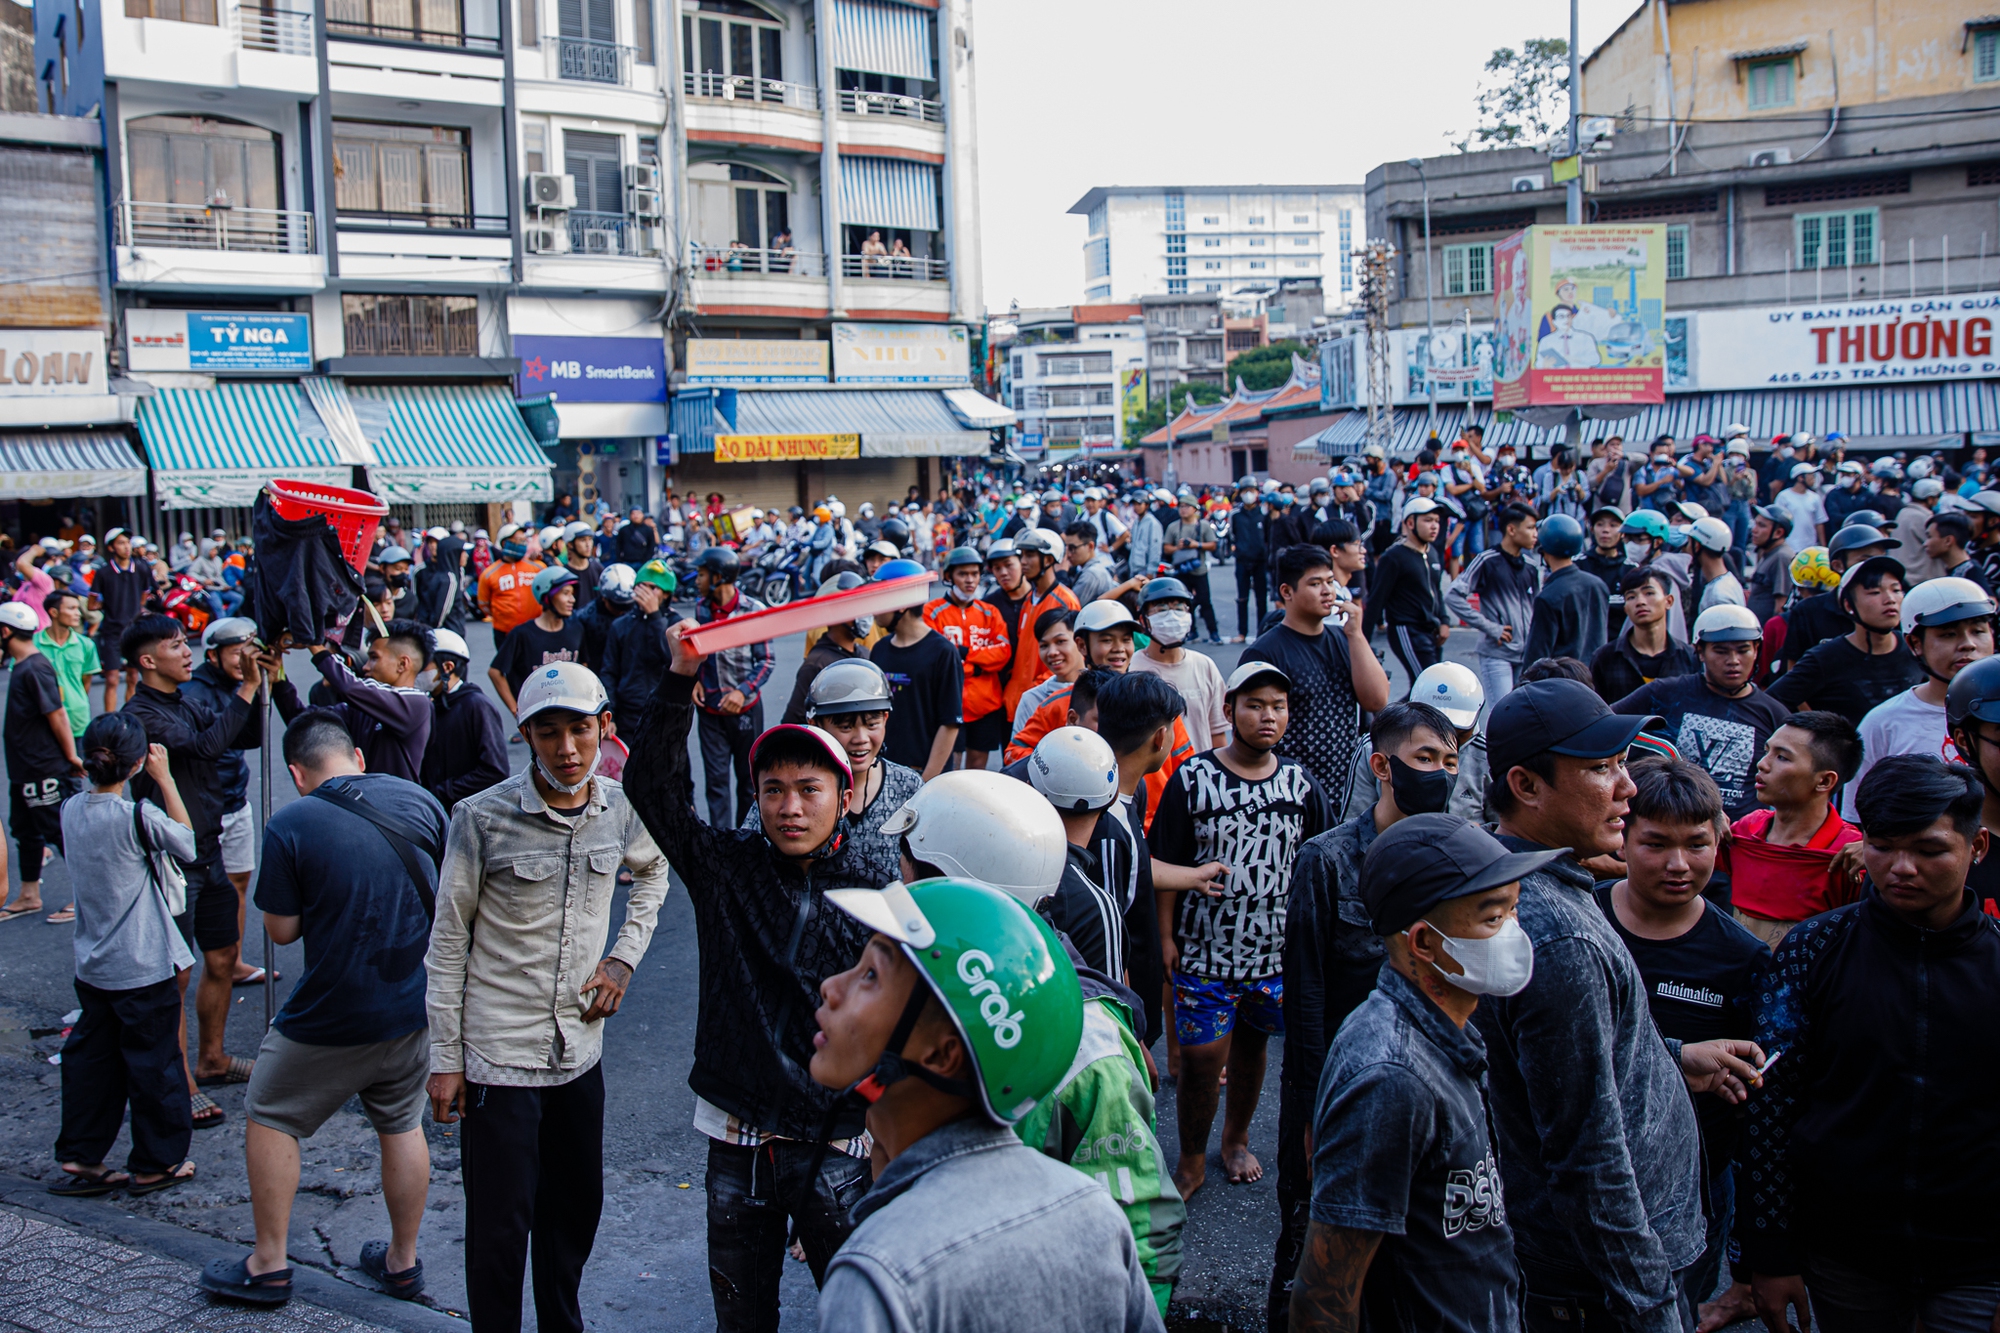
[823, 655]
[196, 737]
[635, 657]
[300, 581]
[1285, 527]
[440, 587]
[213, 690]
[766, 934]
[1812, 621]
[1570, 614]
[637, 543]
[390, 725]
[1617, 671]
[1246, 532]
[1610, 571]
[597, 620]
[1404, 592]
[467, 749]
[1871, 1143]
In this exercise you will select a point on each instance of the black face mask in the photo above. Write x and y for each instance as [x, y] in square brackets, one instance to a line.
[1420, 793]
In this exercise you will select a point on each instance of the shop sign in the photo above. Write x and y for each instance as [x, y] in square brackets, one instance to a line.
[220, 340]
[1581, 314]
[51, 363]
[755, 360]
[784, 448]
[1847, 342]
[593, 370]
[901, 354]
[1458, 360]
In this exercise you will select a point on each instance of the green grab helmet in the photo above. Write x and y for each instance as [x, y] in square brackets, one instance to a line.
[1001, 974]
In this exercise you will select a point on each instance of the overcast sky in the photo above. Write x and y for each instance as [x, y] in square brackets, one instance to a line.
[1079, 93]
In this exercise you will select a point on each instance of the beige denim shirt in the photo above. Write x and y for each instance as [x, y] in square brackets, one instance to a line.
[523, 909]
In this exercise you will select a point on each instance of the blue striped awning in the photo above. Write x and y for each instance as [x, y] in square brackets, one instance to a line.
[888, 192]
[62, 464]
[214, 448]
[452, 444]
[892, 423]
[878, 38]
[1885, 417]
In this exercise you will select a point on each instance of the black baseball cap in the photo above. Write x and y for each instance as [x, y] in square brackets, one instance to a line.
[1557, 717]
[1425, 860]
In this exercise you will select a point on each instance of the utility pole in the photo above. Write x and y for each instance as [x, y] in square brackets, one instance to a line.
[1574, 216]
[1430, 313]
[1377, 273]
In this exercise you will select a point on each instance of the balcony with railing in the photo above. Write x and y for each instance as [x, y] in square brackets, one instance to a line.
[585, 60]
[271, 231]
[367, 30]
[594, 235]
[894, 268]
[733, 261]
[743, 88]
[283, 32]
[475, 224]
[856, 102]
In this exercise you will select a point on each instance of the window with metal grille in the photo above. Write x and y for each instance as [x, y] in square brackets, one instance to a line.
[1837, 240]
[1659, 206]
[1986, 55]
[1677, 251]
[1983, 173]
[1463, 224]
[411, 325]
[1468, 269]
[402, 171]
[1770, 83]
[1843, 187]
[1098, 363]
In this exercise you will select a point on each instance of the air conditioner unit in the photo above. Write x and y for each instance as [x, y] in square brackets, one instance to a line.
[548, 190]
[1770, 157]
[1592, 128]
[547, 239]
[1523, 184]
[600, 241]
[642, 203]
[642, 176]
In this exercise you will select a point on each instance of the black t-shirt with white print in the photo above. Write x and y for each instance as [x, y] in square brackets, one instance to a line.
[1256, 829]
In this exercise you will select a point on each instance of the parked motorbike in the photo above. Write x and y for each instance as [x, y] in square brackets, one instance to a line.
[186, 600]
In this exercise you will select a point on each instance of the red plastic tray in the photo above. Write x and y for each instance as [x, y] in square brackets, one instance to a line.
[870, 599]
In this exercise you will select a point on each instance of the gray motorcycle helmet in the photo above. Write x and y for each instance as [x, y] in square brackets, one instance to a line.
[853, 686]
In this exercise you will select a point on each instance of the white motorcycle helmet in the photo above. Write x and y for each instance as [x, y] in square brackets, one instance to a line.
[1075, 769]
[1711, 534]
[1453, 690]
[446, 642]
[569, 685]
[1944, 601]
[973, 824]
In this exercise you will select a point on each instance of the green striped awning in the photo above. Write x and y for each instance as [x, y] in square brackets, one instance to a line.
[453, 444]
[211, 448]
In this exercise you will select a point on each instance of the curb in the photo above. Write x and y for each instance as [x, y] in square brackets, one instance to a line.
[113, 1223]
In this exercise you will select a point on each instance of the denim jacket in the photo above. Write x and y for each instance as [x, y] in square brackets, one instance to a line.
[970, 1230]
[523, 909]
[1598, 1143]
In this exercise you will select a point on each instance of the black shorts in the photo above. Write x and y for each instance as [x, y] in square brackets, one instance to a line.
[212, 902]
[108, 634]
[987, 734]
[34, 816]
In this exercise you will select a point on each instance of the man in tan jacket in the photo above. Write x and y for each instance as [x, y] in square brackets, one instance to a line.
[524, 906]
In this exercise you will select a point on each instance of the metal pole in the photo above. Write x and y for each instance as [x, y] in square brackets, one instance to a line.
[264, 818]
[1574, 213]
[1430, 314]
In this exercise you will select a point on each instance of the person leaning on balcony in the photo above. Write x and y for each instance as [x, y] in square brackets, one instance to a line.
[873, 252]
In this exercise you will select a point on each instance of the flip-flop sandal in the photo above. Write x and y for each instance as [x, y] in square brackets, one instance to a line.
[207, 1115]
[9, 913]
[179, 1175]
[61, 917]
[89, 1184]
[404, 1286]
[239, 1072]
[256, 978]
[233, 1280]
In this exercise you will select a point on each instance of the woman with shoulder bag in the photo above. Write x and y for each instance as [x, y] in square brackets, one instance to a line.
[132, 962]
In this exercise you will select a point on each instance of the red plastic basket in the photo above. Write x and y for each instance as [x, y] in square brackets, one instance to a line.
[353, 514]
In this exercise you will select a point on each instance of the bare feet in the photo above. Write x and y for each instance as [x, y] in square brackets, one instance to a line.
[1239, 1166]
[1189, 1175]
[1726, 1309]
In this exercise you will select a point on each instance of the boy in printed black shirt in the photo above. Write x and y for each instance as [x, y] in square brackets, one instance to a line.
[1700, 967]
[1245, 807]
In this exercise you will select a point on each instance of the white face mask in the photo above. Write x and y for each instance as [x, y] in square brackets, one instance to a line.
[1170, 628]
[568, 790]
[1501, 964]
[1638, 553]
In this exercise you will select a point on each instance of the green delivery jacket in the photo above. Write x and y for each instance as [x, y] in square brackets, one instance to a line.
[1100, 1121]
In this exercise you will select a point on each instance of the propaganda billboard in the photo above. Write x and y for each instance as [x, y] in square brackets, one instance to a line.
[1581, 315]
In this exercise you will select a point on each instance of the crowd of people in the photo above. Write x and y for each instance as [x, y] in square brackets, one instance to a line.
[1627, 977]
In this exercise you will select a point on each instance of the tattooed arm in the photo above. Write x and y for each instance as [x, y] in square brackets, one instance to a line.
[1326, 1298]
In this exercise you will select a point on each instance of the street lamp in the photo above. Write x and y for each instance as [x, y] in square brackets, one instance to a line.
[1430, 317]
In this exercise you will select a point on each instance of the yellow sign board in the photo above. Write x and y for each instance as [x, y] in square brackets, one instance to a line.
[1566, 169]
[784, 448]
[755, 360]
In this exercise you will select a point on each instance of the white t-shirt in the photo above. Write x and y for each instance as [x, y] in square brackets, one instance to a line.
[1724, 589]
[1807, 510]
[1201, 685]
[1900, 724]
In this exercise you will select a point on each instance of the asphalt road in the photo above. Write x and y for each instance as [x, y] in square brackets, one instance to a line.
[649, 1269]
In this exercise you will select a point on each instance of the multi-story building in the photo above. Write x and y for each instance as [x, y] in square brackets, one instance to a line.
[825, 180]
[1184, 340]
[1071, 396]
[1810, 197]
[1227, 239]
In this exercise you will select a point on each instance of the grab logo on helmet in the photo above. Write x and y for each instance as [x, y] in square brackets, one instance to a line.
[972, 968]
